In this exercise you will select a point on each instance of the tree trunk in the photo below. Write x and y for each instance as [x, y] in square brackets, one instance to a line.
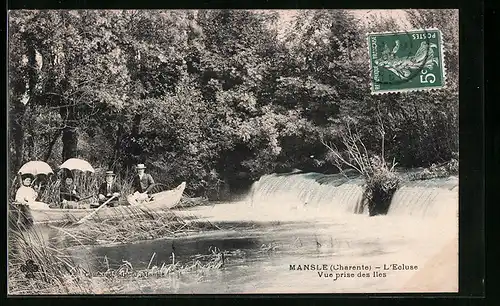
[16, 134]
[51, 146]
[68, 113]
[135, 148]
[136, 125]
[117, 148]
[18, 110]
[69, 133]
[70, 143]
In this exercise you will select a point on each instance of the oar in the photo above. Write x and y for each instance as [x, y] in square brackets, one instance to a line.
[85, 198]
[95, 211]
[81, 199]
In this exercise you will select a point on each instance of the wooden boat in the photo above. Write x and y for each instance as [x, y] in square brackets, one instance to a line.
[161, 201]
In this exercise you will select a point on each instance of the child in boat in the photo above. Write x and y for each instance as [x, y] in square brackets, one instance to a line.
[69, 193]
[142, 184]
[109, 189]
[26, 195]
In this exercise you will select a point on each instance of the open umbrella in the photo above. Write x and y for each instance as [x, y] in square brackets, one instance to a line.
[77, 164]
[35, 168]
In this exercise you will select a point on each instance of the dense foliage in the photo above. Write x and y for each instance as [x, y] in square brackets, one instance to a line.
[214, 97]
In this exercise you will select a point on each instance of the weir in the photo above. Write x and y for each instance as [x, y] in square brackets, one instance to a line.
[336, 193]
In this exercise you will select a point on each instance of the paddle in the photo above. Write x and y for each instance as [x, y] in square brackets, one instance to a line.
[75, 201]
[80, 199]
[95, 211]
[85, 198]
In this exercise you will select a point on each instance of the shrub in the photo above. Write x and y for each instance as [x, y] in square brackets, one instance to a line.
[436, 171]
[380, 186]
[381, 180]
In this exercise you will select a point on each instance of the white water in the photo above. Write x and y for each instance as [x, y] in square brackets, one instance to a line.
[421, 228]
[310, 190]
[431, 199]
[315, 195]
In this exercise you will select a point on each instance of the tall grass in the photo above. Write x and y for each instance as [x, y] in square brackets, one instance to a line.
[88, 185]
[58, 273]
[130, 224]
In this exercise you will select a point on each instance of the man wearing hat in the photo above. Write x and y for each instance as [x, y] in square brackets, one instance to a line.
[109, 189]
[142, 184]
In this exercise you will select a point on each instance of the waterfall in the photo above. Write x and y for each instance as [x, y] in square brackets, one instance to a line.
[308, 190]
[336, 193]
[429, 198]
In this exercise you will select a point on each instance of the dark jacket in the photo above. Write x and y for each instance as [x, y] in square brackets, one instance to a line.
[66, 193]
[114, 188]
[103, 190]
[143, 184]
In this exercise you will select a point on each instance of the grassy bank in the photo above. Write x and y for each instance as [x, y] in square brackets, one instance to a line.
[37, 266]
[34, 267]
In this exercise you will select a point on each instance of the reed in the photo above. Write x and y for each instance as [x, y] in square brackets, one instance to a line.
[52, 270]
[87, 184]
[127, 278]
[215, 259]
[58, 274]
[135, 224]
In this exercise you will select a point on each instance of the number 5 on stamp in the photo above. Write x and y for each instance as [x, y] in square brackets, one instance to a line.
[406, 61]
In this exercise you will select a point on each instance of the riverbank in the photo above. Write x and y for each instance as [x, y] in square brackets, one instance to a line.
[41, 263]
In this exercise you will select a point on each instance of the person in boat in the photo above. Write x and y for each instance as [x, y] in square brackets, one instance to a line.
[141, 186]
[69, 193]
[27, 195]
[109, 189]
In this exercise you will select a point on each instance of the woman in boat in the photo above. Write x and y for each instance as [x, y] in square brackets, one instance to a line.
[141, 186]
[26, 195]
[69, 193]
[109, 189]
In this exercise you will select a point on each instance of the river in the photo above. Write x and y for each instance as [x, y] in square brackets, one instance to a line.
[296, 233]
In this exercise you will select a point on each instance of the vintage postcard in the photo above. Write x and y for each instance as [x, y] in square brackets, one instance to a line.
[233, 151]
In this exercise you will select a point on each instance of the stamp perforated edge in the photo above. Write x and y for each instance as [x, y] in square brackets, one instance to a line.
[405, 90]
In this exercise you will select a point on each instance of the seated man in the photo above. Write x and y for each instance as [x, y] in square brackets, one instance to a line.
[142, 184]
[69, 193]
[109, 189]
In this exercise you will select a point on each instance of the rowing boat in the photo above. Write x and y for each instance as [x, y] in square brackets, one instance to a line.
[160, 201]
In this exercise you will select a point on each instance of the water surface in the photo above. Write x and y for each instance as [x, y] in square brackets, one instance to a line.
[292, 221]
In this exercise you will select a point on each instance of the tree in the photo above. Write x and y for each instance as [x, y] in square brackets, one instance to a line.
[211, 96]
[79, 71]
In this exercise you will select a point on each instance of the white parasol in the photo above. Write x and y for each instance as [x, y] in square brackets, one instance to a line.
[77, 164]
[35, 168]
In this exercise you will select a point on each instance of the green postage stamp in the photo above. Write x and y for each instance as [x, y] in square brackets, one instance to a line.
[406, 61]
